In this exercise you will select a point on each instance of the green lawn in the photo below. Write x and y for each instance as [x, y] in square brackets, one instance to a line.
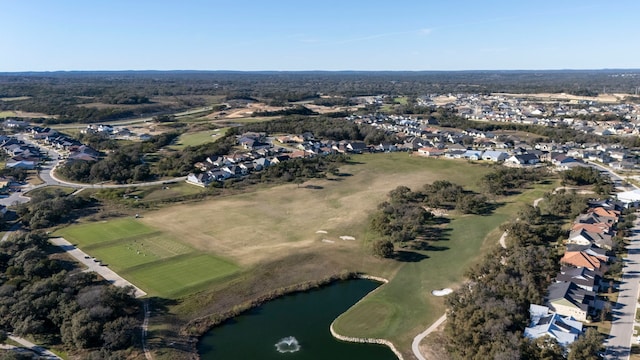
[51, 189]
[402, 100]
[94, 233]
[6, 114]
[177, 276]
[197, 138]
[152, 260]
[405, 306]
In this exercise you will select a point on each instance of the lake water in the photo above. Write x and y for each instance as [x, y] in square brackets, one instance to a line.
[299, 323]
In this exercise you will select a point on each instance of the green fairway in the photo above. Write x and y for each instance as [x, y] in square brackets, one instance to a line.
[94, 233]
[150, 259]
[405, 306]
[6, 114]
[197, 138]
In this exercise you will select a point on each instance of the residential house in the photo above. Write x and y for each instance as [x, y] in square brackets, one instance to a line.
[582, 236]
[202, 179]
[27, 165]
[261, 163]
[582, 277]
[544, 322]
[566, 298]
[357, 147]
[585, 260]
[523, 159]
[495, 156]
[472, 155]
[430, 151]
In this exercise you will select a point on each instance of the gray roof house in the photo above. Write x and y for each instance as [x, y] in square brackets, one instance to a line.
[566, 298]
[582, 277]
[472, 154]
[494, 156]
[544, 322]
[202, 179]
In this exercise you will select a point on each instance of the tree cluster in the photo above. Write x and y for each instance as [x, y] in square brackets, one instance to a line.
[503, 180]
[47, 209]
[582, 175]
[447, 195]
[122, 165]
[405, 219]
[41, 298]
[295, 110]
[323, 127]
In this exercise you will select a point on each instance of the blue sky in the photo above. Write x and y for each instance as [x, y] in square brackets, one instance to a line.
[46, 35]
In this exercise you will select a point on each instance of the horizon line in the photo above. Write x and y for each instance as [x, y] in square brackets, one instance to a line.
[317, 70]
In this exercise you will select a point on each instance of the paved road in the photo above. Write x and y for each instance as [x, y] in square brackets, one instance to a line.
[415, 345]
[624, 311]
[48, 176]
[91, 265]
[44, 353]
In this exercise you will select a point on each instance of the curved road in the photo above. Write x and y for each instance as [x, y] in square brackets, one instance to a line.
[48, 176]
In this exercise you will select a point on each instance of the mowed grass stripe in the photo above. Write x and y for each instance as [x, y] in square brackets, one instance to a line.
[123, 255]
[177, 276]
[93, 233]
[128, 239]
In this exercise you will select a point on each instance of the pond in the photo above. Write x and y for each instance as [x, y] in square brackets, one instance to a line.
[294, 327]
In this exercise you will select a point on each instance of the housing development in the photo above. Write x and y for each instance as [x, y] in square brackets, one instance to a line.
[440, 224]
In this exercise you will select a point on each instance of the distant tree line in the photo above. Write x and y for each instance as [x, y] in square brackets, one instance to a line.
[58, 304]
[63, 93]
[296, 110]
[323, 127]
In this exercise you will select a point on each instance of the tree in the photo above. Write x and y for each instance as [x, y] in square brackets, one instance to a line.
[587, 346]
[3, 336]
[383, 248]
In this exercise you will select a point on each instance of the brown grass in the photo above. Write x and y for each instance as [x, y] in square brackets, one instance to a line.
[266, 224]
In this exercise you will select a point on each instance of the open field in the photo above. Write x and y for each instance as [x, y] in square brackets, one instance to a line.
[273, 234]
[256, 226]
[268, 225]
[153, 261]
[198, 138]
[165, 192]
[23, 114]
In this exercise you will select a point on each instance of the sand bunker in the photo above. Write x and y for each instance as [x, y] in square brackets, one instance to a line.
[345, 237]
[321, 232]
[328, 241]
[442, 292]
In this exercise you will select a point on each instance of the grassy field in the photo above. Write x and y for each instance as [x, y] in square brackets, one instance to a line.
[51, 189]
[197, 138]
[154, 261]
[405, 306]
[274, 237]
[6, 114]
